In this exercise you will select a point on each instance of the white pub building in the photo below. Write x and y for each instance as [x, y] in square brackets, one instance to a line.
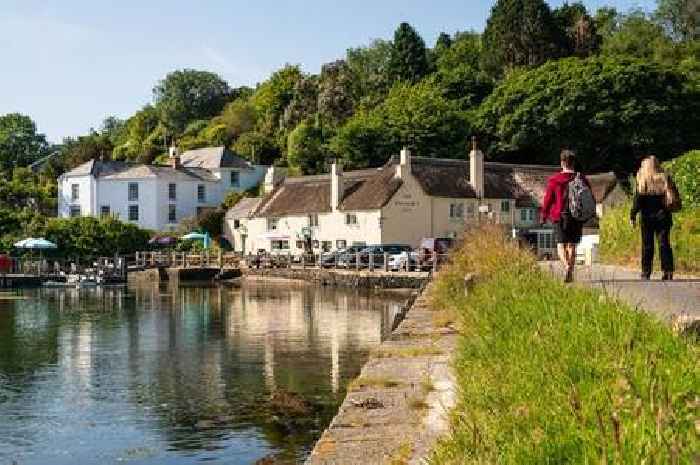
[156, 197]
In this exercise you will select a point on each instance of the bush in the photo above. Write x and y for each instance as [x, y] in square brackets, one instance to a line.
[555, 374]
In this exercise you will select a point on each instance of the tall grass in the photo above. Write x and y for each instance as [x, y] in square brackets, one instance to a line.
[620, 243]
[550, 374]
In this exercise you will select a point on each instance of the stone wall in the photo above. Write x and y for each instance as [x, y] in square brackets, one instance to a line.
[355, 279]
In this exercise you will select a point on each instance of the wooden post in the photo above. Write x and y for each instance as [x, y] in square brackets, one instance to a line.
[435, 261]
[357, 261]
[370, 261]
[386, 261]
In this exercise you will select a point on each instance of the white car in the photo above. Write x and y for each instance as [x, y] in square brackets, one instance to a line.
[397, 262]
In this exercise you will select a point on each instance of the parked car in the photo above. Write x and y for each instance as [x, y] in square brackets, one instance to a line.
[340, 257]
[403, 261]
[377, 253]
[431, 249]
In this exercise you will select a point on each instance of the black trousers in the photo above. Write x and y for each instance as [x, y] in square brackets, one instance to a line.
[662, 230]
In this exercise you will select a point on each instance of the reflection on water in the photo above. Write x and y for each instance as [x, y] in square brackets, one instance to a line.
[177, 375]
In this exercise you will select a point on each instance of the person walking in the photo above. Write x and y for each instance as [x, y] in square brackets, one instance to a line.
[565, 190]
[656, 198]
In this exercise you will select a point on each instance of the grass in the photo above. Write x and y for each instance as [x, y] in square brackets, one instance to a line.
[621, 244]
[373, 381]
[406, 352]
[402, 455]
[551, 374]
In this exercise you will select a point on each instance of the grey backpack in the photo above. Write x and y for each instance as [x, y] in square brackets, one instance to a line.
[580, 202]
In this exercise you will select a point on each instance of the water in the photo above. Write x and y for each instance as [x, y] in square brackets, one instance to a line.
[178, 375]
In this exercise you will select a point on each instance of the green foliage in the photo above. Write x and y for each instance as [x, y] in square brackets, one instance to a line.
[257, 147]
[211, 220]
[519, 33]
[335, 100]
[685, 171]
[81, 149]
[20, 144]
[133, 145]
[188, 95]
[369, 67]
[272, 97]
[636, 36]
[609, 110]
[409, 60]
[578, 32]
[680, 18]
[305, 151]
[556, 374]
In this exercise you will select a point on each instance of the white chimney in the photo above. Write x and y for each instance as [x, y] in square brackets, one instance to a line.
[271, 179]
[174, 157]
[476, 169]
[403, 169]
[337, 185]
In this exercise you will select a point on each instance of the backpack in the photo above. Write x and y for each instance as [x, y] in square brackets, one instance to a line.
[672, 199]
[580, 200]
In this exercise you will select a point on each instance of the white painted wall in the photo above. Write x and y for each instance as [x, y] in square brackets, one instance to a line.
[86, 199]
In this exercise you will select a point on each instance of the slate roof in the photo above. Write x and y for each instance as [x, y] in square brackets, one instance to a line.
[124, 170]
[212, 158]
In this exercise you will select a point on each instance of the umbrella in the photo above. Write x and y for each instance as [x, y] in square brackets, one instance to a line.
[193, 236]
[32, 243]
[163, 240]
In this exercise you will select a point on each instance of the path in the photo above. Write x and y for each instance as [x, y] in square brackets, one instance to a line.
[663, 298]
[398, 407]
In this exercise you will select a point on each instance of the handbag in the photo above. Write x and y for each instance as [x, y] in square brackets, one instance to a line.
[672, 198]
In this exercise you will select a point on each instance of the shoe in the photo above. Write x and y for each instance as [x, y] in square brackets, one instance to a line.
[667, 276]
[645, 276]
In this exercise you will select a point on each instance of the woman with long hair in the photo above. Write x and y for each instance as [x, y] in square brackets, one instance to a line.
[651, 200]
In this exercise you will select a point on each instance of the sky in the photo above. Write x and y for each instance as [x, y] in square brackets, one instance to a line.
[70, 63]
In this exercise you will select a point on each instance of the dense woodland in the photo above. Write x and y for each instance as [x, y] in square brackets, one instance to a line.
[611, 85]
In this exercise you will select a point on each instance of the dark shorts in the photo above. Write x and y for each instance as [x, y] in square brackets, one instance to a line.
[568, 231]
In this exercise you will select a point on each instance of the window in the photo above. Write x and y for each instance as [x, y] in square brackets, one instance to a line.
[505, 206]
[470, 210]
[172, 213]
[272, 224]
[456, 210]
[172, 191]
[545, 240]
[351, 219]
[300, 244]
[201, 193]
[74, 211]
[279, 245]
[527, 215]
[341, 244]
[313, 220]
[133, 192]
[236, 224]
[133, 212]
[104, 211]
[326, 246]
[74, 192]
[199, 210]
[235, 179]
[315, 244]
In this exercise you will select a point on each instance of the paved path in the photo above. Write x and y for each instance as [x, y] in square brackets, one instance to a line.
[399, 405]
[663, 298]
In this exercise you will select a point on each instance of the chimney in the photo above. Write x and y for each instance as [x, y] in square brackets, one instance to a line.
[403, 169]
[174, 157]
[476, 169]
[271, 179]
[337, 185]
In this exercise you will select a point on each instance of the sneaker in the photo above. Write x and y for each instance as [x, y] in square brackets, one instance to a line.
[667, 276]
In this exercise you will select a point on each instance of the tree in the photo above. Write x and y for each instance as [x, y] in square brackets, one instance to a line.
[305, 151]
[369, 68]
[76, 151]
[519, 33]
[679, 18]
[335, 102]
[188, 95]
[237, 118]
[609, 110]
[606, 21]
[639, 37]
[409, 61]
[20, 144]
[272, 97]
[364, 140]
[138, 129]
[303, 104]
[579, 36]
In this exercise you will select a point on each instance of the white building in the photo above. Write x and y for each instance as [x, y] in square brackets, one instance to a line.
[156, 196]
[405, 200]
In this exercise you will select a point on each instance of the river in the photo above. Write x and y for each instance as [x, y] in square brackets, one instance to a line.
[179, 375]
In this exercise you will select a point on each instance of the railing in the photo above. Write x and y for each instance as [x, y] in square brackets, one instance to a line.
[106, 266]
[203, 259]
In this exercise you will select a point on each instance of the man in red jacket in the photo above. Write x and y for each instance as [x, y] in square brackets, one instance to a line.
[568, 231]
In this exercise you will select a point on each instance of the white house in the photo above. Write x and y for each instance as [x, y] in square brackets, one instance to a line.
[156, 196]
[405, 200]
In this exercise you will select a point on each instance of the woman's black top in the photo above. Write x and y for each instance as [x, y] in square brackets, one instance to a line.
[652, 207]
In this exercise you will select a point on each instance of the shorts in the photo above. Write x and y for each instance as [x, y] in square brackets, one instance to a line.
[568, 231]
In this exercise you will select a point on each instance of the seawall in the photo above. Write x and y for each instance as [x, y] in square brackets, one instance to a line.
[343, 278]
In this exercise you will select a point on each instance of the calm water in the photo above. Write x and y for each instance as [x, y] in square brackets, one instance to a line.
[177, 375]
